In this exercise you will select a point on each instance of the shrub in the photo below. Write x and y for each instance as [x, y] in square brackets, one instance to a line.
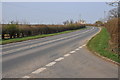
[12, 30]
[112, 27]
[15, 30]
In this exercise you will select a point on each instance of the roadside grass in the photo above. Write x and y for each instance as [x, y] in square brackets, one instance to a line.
[99, 44]
[34, 37]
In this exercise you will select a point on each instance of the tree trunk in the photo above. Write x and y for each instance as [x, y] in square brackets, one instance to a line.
[3, 36]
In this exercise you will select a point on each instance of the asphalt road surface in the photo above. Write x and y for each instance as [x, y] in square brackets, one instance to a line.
[60, 56]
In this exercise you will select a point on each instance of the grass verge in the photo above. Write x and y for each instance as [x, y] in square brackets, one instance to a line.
[99, 44]
[34, 37]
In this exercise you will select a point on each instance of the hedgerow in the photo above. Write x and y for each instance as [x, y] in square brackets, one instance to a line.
[10, 31]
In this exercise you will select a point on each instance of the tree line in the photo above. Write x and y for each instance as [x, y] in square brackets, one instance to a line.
[15, 30]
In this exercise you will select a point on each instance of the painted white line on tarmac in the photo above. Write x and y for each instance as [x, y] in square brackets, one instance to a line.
[77, 49]
[72, 52]
[80, 47]
[66, 55]
[83, 45]
[51, 64]
[38, 70]
[59, 59]
[26, 77]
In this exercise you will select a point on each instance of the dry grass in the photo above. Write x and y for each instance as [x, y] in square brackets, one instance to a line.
[112, 28]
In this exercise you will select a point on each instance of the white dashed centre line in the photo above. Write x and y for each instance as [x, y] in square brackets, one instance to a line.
[51, 64]
[77, 49]
[67, 55]
[59, 59]
[80, 47]
[26, 77]
[39, 70]
[54, 62]
[83, 45]
[72, 52]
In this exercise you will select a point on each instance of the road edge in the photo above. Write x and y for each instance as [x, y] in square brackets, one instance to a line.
[97, 54]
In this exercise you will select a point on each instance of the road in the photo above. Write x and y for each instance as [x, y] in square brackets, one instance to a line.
[60, 56]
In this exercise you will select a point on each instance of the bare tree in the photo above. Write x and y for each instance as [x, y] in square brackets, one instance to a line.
[114, 3]
[66, 22]
[113, 25]
[113, 13]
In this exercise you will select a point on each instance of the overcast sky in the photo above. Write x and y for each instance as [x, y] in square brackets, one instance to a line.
[53, 12]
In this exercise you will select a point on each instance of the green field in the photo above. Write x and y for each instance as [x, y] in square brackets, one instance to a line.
[99, 44]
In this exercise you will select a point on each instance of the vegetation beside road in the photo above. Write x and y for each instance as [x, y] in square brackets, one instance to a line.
[34, 37]
[112, 27]
[15, 30]
[100, 44]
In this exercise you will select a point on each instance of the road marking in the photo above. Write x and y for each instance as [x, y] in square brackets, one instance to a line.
[72, 52]
[39, 70]
[37, 44]
[59, 59]
[67, 55]
[83, 45]
[77, 49]
[26, 77]
[51, 64]
[80, 47]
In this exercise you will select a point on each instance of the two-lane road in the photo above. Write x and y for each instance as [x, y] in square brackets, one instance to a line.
[60, 56]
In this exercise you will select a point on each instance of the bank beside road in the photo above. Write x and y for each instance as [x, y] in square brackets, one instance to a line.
[99, 45]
